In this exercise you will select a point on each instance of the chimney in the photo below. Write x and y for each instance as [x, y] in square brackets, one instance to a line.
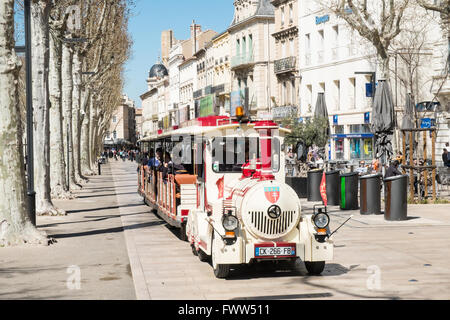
[196, 29]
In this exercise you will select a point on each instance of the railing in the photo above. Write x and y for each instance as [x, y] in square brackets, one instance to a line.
[241, 60]
[285, 65]
[198, 93]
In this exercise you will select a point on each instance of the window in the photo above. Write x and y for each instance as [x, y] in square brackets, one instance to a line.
[282, 16]
[339, 129]
[337, 95]
[291, 48]
[238, 47]
[339, 149]
[114, 119]
[307, 49]
[309, 97]
[115, 135]
[294, 92]
[250, 45]
[229, 154]
[283, 49]
[352, 93]
[336, 36]
[291, 13]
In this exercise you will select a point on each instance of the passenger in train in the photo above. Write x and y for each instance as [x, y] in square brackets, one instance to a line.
[169, 167]
[154, 162]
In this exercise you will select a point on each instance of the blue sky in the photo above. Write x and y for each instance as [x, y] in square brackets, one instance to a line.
[150, 17]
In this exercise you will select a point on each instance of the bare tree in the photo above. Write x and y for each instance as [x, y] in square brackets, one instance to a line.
[15, 225]
[378, 21]
[40, 12]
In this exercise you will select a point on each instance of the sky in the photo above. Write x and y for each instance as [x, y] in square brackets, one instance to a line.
[150, 17]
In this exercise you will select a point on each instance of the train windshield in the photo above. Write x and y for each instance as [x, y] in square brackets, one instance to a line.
[230, 154]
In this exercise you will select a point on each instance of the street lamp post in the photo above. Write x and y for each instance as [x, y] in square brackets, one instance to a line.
[29, 105]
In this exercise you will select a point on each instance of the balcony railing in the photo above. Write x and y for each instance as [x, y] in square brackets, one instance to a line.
[198, 93]
[242, 60]
[285, 65]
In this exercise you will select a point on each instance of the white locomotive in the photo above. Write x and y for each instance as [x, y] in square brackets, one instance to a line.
[231, 201]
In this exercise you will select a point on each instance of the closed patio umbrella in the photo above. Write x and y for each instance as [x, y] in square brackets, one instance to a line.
[322, 112]
[383, 121]
[321, 107]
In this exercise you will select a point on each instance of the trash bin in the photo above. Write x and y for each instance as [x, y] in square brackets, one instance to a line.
[299, 185]
[396, 198]
[370, 194]
[313, 185]
[333, 187]
[349, 191]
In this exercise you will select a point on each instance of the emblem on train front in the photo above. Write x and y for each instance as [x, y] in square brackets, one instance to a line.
[272, 194]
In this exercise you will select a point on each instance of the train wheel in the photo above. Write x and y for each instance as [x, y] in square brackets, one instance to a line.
[315, 268]
[202, 255]
[221, 271]
[182, 231]
[194, 251]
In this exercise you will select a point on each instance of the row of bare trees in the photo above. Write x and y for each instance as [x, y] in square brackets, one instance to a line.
[78, 52]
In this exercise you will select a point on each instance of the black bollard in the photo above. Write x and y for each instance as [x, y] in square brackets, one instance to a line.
[99, 168]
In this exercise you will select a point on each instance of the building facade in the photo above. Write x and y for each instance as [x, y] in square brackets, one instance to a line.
[220, 62]
[122, 129]
[252, 60]
[286, 58]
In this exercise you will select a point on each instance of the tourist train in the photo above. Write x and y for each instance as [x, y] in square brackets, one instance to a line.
[223, 187]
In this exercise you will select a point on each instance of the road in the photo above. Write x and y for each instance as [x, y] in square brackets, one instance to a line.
[120, 250]
[373, 258]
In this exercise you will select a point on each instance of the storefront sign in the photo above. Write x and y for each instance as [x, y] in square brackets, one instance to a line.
[369, 90]
[206, 106]
[322, 19]
[367, 117]
[427, 123]
[353, 136]
[335, 120]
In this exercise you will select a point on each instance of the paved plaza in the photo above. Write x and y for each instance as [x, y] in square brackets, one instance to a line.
[120, 250]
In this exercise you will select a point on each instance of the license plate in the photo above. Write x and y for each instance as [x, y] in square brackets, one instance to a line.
[274, 251]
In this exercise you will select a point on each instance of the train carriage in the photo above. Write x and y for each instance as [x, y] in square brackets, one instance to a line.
[230, 199]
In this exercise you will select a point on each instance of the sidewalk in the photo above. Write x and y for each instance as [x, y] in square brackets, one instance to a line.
[89, 239]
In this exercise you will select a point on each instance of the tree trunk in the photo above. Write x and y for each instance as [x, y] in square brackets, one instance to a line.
[15, 224]
[85, 146]
[76, 107]
[40, 11]
[58, 178]
[67, 88]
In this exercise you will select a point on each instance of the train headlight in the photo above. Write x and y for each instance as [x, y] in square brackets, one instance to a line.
[230, 223]
[321, 220]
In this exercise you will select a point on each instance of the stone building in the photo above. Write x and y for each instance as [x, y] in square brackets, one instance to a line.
[252, 58]
[122, 129]
[335, 60]
[286, 57]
